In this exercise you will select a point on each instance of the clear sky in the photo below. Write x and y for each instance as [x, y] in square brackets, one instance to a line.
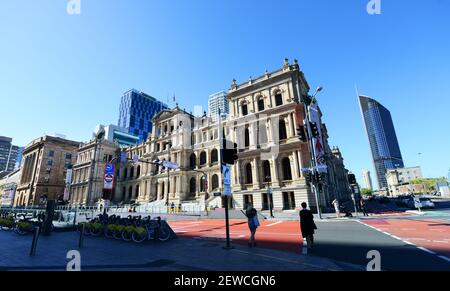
[65, 73]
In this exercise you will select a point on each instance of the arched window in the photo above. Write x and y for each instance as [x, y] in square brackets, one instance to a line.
[130, 193]
[136, 192]
[214, 156]
[282, 130]
[267, 176]
[286, 165]
[192, 161]
[244, 109]
[278, 99]
[202, 158]
[202, 184]
[163, 190]
[132, 173]
[125, 173]
[261, 104]
[248, 174]
[192, 187]
[246, 137]
[215, 182]
[138, 171]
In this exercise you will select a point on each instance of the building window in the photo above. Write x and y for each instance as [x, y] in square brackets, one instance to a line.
[288, 201]
[261, 104]
[138, 171]
[203, 158]
[246, 137]
[51, 153]
[244, 109]
[49, 162]
[132, 173]
[192, 161]
[266, 171]
[192, 187]
[248, 174]
[278, 99]
[202, 184]
[68, 156]
[286, 165]
[214, 156]
[215, 182]
[282, 130]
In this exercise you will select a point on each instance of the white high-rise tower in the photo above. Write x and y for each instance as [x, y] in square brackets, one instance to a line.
[367, 179]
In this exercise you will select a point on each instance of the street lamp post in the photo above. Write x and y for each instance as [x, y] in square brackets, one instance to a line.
[311, 148]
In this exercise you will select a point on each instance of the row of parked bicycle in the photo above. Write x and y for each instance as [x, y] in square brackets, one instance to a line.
[20, 223]
[131, 228]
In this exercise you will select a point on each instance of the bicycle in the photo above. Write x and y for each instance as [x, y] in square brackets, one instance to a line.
[153, 230]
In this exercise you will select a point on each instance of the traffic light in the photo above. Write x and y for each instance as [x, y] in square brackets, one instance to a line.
[314, 129]
[229, 155]
[316, 176]
[322, 177]
[308, 177]
[301, 133]
[351, 179]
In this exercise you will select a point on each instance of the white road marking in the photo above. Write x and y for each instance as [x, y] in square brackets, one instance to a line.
[275, 223]
[441, 241]
[409, 229]
[406, 242]
[305, 247]
[444, 258]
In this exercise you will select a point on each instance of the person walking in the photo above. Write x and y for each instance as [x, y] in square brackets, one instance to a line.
[172, 207]
[253, 223]
[307, 225]
[362, 204]
[336, 207]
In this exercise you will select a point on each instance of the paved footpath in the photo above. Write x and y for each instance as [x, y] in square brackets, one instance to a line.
[181, 254]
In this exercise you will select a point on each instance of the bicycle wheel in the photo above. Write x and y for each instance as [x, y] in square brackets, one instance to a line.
[127, 236]
[108, 233]
[139, 237]
[96, 231]
[117, 234]
[164, 233]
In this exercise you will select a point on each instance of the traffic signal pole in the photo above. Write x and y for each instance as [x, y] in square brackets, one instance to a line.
[313, 158]
[227, 201]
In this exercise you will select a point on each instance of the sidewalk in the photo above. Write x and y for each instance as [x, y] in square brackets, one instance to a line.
[180, 254]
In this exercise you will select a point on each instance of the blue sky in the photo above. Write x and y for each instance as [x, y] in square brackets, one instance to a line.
[65, 73]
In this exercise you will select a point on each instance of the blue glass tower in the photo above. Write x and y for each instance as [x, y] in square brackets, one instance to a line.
[382, 138]
[136, 112]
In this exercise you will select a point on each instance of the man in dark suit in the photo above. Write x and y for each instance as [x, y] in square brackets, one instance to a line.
[307, 225]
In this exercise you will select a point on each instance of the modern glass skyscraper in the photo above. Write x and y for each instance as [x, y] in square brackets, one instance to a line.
[218, 101]
[136, 112]
[8, 155]
[382, 138]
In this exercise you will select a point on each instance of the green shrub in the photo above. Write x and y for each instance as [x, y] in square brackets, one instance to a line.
[139, 230]
[96, 225]
[129, 229]
[24, 225]
[6, 222]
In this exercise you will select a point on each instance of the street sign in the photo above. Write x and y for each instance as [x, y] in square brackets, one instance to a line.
[226, 190]
[226, 171]
[216, 194]
[320, 167]
[108, 179]
[170, 165]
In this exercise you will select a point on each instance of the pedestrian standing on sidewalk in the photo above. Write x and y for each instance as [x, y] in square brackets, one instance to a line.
[253, 223]
[362, 204]
[336, 207]
[307, 225]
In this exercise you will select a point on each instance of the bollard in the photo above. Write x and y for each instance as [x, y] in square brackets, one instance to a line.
[80, 241]
[34, 242]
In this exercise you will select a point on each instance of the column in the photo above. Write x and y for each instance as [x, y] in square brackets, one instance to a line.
[256, 180]
[297, 170]
[291, 126]
[274, 172]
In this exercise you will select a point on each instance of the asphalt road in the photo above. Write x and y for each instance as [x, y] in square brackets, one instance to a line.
[350, 241]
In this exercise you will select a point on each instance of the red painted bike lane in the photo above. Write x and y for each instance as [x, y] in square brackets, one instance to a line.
[280, 235]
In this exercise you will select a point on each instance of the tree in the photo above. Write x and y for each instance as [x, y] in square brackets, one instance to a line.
[430, 183]
[366, 192]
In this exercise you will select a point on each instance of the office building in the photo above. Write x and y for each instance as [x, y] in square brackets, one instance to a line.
[118, 135]
[44, 167]
[8, 155]
[399, 181]
[367, 179]
[218, 101]
[136, 112]
[382, 138]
